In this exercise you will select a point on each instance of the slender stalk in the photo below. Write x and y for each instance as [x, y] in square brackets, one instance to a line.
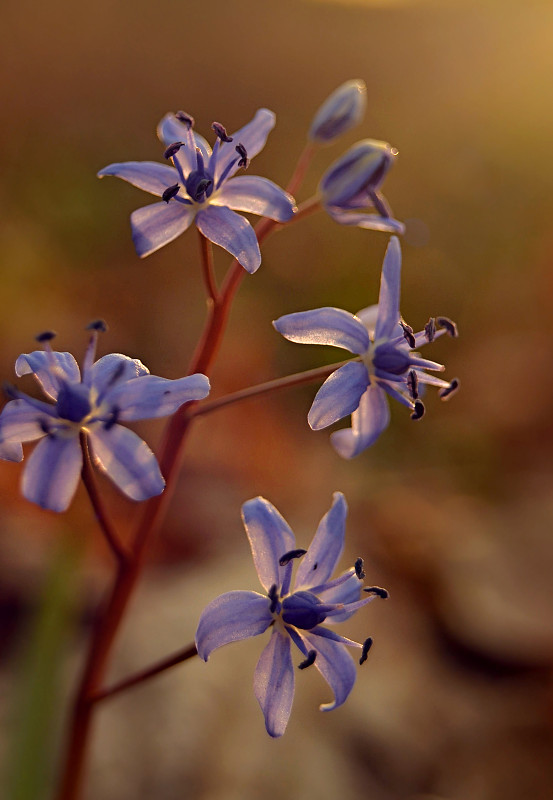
[146, 674]
[206, 250]
[301, 168]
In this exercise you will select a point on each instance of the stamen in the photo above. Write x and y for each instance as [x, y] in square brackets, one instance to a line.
[287, 557]
[413, 384]
[99, 325]
[309, 661]
[378, 591]
[170, 192]
[188, 119]
[379, 202]
[367, 644]
[221, 132]
[359, 571]
[408, 334]
[430, 329]
[244, 160]
[172, 149]
[11, 391]
[273, 597]
[450, 390]
[418, 410]
[315, 565]
[449, 325]
[46, 336]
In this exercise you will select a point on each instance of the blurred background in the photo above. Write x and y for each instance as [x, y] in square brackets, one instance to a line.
[453, 515]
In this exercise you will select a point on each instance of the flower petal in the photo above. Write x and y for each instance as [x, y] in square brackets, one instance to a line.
[147, 175]
[331, 326]
[232, 232]
[171, 130]
[343, 109]
[49, 368]
[326, 548]
[274, 683]
[252, 136]
[11, 451]
[335, 665]
[368, 422]
[339, 395]
[127, 460]
[390, 287]
[51, 476]
[372, 222]
[231, 617]
[348, 591]
[113, 369]
[21, 422]
[368, 317]
[256, 195]
[270, 538]
[151, 396]
[158, 224]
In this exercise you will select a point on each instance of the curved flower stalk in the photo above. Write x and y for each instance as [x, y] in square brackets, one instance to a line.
[200, 188]
[388, 363]
[295, 610]
[113, 389]
[350, 187]
[342, 110]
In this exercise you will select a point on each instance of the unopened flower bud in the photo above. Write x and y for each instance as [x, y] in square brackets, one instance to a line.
[343, 109]
[362, 168]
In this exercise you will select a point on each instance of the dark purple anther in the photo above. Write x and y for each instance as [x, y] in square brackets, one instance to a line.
[359, 571]
[408, 334]
[449, 325]
[99, 325]
[309, 661]
[418, 410]
[45, 336]
[430, 329]
[187, 119]
[450, 390]
[378, 591]
[273, 597]
[244, 160]
[413, 384]
[172, 149]
[287, 557]
[170, 192]
[367, 644]
[221, 132]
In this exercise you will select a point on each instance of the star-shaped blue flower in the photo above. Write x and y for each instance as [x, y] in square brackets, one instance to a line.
[388, 365]
[113, 389]
[294, 611]
[200, 188]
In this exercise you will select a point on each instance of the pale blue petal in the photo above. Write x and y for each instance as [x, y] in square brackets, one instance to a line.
[21, 422]
[335, 665]
[348, 591]
[339, 395]
[11, 451]
[253, 136]
[232, 232]
[372, 222]
[158, 224]
[343, 109]
[171, 130]
[368, 317]
[274, 683]
[148, 175]
[368, 422]
[326, 548]
[127, 460]
[255, 195]
[52, 473]
[113, 369]
[331, 326]
[151, 396]
[231, 617]
[49, 368]
[390, 287]
[270, 538]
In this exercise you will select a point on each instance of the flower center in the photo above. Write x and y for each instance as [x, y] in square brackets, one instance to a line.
[73, 402]
[303, 610]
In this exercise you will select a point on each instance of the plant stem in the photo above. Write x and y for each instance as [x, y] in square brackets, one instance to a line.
[206, 250]
[301, 168]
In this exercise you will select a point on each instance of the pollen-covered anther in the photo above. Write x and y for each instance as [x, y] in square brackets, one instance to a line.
[449, 391]
[170, 192]
[449, 325]
[359, 571]
[187, 119]
[413, 384]
[46, 336]
[309, 661]
[408, 334]
[242, 152]
[287, 557]
[273, 597]
[221, 132]
[99, 325]
[418, 410]
[378, 591]
[367, 644]
[173, 149]
[430, 329]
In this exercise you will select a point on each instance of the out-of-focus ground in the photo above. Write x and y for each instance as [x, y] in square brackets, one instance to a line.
[453, 514]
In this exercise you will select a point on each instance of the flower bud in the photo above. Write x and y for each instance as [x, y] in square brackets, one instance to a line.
[362, 168]
[340, 112]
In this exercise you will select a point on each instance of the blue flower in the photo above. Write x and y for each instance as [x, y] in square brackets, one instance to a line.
[350, 187]
[387, 365]
[113, 389]
[295, 612]
[200, 188]
[343, 109]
